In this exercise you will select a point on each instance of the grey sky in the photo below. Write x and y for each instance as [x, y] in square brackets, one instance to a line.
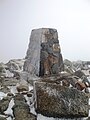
[70, 17]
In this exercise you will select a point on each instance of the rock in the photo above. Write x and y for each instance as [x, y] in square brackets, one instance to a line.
[19, 97]
[10, 94]
[82, 65]
[80, 86]
[68, 69]
[15, 64]
[59, 101]
[88, 118]
[5, 89]
[79, 73]
[24, 75]
[4, 71]
[4, 104]
[12, 68]
[21, 109]
[10, 82]
[23, 114]
[86, 90]
[68, 66]
[1, 79]
[8, 74]
[17, 74]
[22, 88]
[68, 63]
[44, 54]
[30, 78]
[3, 118]
[3, 67]
[78, 64]
[86, 81]
[83, 77]
[29, 94]
[72, 80]
[65, 83]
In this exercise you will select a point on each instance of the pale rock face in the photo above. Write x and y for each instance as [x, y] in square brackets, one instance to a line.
[44, 53]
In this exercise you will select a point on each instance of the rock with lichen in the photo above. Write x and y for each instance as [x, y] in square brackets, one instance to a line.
[60, 101]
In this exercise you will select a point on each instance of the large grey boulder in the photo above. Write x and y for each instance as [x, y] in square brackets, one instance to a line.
[44, 54]
[60, 101]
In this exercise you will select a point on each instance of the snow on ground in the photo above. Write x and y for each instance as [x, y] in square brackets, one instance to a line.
[9, 118]
[30, 101]
[30, 87]
[2, 116]
[8, 73]
[13, 89]
[9, 109]
[41, 117]
[2, 95]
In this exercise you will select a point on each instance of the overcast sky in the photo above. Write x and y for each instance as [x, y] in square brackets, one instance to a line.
[71, 18]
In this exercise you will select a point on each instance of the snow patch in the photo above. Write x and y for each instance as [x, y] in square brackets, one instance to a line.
[30, 87]
[30, 102]
[2, 116]
[8, 73]
[2, 95]
[13, 89]
[32, 110]
[41, 117]
[70, 86]
[89, 113]
[9, 109]
[89, 66]
[9, 118]
[27, 99]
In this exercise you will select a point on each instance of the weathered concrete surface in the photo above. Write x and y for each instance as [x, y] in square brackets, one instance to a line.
[44, 54]
[60, 101]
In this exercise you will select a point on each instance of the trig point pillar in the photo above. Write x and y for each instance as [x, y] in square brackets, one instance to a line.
[44, 53]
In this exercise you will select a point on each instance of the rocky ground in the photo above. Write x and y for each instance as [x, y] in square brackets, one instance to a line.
[43, 86]
[17, 96]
